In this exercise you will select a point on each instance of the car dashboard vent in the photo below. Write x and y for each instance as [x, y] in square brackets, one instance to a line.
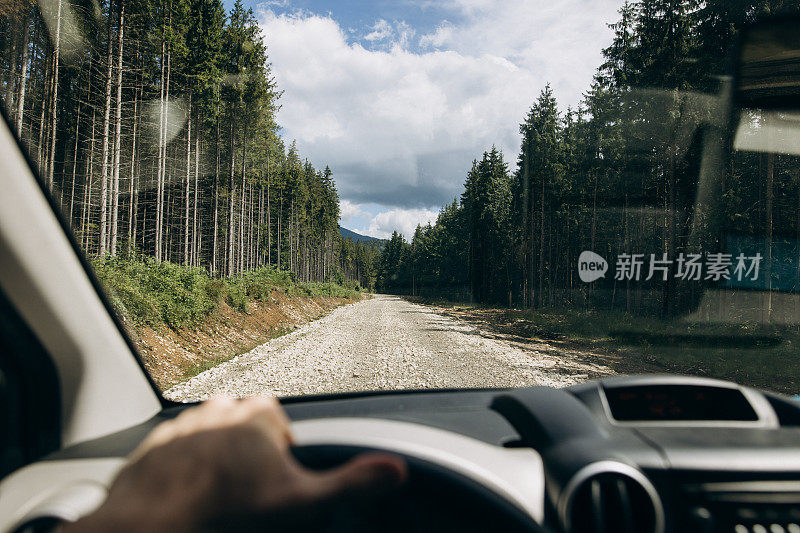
[743, 506]
[611, 498]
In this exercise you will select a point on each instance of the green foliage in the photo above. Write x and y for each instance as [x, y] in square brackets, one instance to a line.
[337, 276]
[633, 169]
[215, 288]
[236, 296]
[156, 293]
[329, 290]
[150, 293]
[487, 210]
[257, 285]
[393, 266]
[358, 262]
[215, 169]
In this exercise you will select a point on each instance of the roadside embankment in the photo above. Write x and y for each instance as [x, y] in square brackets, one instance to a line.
[185, 321]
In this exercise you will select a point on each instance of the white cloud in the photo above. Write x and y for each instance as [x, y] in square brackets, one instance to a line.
[385, 35]
[560, 41]
[382, 30]
[350, 211]
[443, 34]
[397, 128]
[404, 221]
[400, 127]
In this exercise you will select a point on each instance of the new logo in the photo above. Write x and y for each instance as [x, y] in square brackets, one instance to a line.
[591, 267]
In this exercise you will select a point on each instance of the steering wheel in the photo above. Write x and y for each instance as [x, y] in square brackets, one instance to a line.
[433, 499]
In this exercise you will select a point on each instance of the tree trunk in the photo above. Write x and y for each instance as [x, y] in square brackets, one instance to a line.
[118, 130]
[87, 196]
[280, 218]
[166, 176]
[159, 174]
[594, 229]
[195, 222]
[15, 35]
[106, 131]
[252, 232]
[23, 82]
[214, 259]
[188, 180]
[162, 155]
[293, 241]
[232, 195]
[74, 165]
[134, 188]
[541, 246]
[260, 221]
[668, 305]
[168, 211]
[244, 197]
[54, 101]
[531, 274]
[269, 228]
[41, 154]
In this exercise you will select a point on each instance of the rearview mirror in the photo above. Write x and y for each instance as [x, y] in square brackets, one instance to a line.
[768, 66]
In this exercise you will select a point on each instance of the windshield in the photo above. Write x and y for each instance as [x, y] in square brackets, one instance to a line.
[305, 197]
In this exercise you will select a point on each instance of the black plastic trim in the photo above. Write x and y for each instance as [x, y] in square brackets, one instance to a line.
[289, 400]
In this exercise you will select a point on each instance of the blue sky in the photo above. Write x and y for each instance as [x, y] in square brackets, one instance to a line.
[399, 97]
[359, 16]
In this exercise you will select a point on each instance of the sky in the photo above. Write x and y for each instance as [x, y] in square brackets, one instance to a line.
[399, 98]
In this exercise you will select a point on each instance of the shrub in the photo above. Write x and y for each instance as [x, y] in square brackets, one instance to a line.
[154, 293]
[215, 289]
[150, 293]
[330, 290]
[237, 296]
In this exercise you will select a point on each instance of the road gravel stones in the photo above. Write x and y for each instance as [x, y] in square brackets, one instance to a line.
[384, 343]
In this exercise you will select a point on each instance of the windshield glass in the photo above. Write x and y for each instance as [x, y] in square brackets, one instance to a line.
[305, 197]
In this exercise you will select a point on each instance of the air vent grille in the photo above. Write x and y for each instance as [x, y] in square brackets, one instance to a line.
[751, 505]
[611, 502]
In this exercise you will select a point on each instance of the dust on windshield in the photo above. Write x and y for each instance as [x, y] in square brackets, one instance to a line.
[487, 229]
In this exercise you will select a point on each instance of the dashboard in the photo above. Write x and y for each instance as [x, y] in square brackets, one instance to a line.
[639, 454]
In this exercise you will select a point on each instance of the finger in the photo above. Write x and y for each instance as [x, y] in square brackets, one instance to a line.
[210, 410]
[220, 401]
[211, 415]
[216, 412]
[366, 474]
[268, 415]
[205, 416]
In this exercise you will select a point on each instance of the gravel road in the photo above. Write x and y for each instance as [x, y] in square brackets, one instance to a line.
[385, 343]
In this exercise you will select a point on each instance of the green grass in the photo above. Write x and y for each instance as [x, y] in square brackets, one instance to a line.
[154, 294]
[764, 356]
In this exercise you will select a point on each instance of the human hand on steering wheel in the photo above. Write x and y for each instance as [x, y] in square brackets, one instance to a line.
[227, 465]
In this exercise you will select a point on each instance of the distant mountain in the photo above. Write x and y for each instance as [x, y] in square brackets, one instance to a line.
[356, 237]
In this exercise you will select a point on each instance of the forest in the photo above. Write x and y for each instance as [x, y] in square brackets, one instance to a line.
[153, 124]
[618, 175]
